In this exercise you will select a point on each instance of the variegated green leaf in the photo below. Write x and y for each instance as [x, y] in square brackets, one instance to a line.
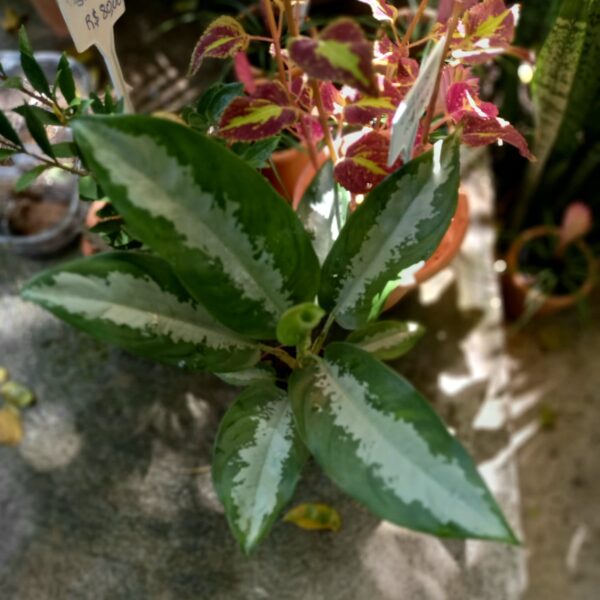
[257, 462]
[323, 210]
[405, 123]
[136, 302]
[398, 227]
[233, 242]
[378, 439]
[387, 340]
[248, 377]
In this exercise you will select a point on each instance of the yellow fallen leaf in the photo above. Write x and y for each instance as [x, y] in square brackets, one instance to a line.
[11, 428]
[314, 517]
[12, 21]
[4, 376]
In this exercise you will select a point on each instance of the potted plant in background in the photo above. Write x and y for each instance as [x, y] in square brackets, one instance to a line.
[231, 281]
[551, 268]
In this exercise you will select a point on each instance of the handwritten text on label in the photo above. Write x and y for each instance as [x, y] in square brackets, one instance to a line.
[91, 21]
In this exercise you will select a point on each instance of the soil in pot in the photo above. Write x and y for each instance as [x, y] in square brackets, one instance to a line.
[538, 272]
[30, 215]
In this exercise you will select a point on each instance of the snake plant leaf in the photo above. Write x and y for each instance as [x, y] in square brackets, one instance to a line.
[323, 210]
[233, 242]
[387, 340]
[135, 301]
[398, 227]
[379, 440]
[258, 459]
[566, 81]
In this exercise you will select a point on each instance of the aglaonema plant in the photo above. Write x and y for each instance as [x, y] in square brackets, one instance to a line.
[221, 275]
[232, 285]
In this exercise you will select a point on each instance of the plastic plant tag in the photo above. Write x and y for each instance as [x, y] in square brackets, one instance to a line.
[91, 23]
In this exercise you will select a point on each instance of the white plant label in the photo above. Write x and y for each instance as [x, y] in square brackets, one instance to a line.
[91, 23]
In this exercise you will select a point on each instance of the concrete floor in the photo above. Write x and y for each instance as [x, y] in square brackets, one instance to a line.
[555, 375]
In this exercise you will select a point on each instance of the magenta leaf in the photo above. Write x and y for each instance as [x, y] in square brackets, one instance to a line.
[577, 223]
[259, 116]
[365, 164]
[341, 53]
[223, 38]
[462, 99]
[243, 72]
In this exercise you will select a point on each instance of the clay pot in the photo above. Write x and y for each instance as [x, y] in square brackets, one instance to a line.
[516, 285]
[441, 258]
[290, 165]
[50, 13]
[92, 243]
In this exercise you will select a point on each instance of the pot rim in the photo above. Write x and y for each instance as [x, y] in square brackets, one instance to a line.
[559, 300]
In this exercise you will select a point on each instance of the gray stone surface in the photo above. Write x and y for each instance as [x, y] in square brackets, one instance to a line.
[108, 497]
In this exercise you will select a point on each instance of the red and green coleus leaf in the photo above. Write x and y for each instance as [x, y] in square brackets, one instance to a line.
[462, 99]
[382, 11]
[365, 164]
[485, 30]
[223, 38]
[259, 116]
[341, 53]
[365, 109]
[479, 131]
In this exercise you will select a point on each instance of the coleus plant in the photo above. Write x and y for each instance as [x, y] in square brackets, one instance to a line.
[232, 281]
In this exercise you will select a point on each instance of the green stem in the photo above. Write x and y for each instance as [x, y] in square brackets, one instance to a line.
[320, 341]
[282, 355]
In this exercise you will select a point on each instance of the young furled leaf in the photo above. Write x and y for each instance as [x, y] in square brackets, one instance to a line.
[297, 323]
[258, 458]
[262, 115]
[380, 441]
[387, 340]
[223, 38]
[398, 226]
[365, 163]
[134, 301]
[207, 218]
[342, 53]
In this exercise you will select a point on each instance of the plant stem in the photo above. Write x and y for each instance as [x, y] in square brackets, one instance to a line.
[272, 25]
[436, 90]
[291, 22]
[415, 21]
[323, 119]
[42, 159]
[320, 341]
[282, 355]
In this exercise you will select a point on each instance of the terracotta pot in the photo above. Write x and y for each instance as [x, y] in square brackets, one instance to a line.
[50, 13]
[516, 285]
[441, 258]
[92, 243]
[290, 164]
